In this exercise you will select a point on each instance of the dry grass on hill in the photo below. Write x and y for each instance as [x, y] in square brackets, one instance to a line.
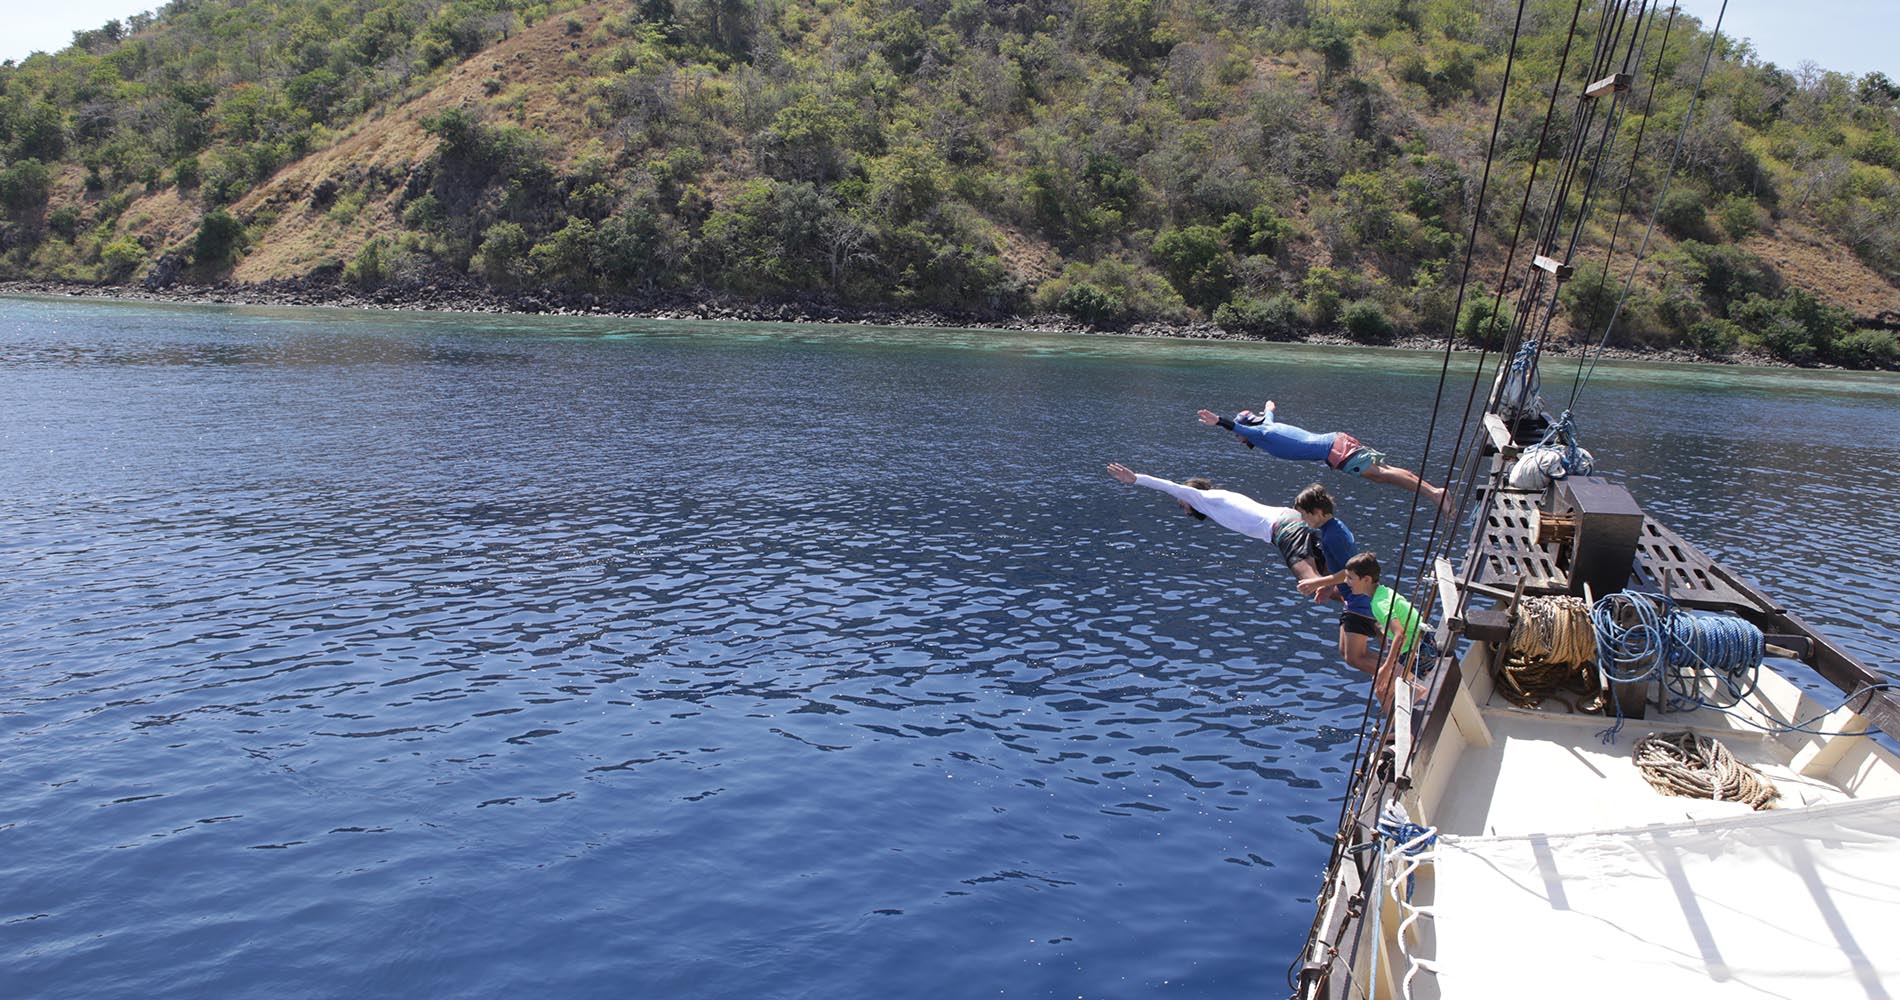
[377, 155]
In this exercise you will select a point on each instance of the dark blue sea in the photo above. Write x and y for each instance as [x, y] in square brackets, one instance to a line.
[372, 654]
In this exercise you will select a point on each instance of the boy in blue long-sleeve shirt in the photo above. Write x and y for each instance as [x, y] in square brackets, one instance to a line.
[1337, 449]
[1332, 543]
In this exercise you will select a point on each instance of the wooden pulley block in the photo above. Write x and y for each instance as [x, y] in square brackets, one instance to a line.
[1555, 529]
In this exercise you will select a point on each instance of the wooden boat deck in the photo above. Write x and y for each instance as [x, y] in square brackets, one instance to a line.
[1547, 769]
[1666, 563]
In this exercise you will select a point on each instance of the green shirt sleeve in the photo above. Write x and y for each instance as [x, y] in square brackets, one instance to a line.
[1383, 601]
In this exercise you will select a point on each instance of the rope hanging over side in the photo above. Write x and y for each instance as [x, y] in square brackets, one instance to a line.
[1550, 654]
[1699, 767]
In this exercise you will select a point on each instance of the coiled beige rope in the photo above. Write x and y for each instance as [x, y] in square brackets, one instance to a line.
[1702, 768]
[1552, 651]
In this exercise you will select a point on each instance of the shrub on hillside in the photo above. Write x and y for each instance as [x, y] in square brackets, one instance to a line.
[25, 184]
[371, 266]
[186, 173]
[1482, 325]
[1091, 304]
[625, 245]
[1740, 217]
[566, 256]
[220, 235]
[64, 221]
[1326, 290]
[121, 257]
[1275, 317]
[1588, 298]
[1682, 216]
[1367, 320]
[1196, 262]
[1795, 326]
[1713, 337]
[1260, 232]
[503, 257]
[1868, 349]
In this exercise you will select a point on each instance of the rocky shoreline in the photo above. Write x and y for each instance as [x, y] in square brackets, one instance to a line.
[471, 297]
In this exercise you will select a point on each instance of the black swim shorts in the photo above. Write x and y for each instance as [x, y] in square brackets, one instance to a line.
[1358, 624]
[1296, 541]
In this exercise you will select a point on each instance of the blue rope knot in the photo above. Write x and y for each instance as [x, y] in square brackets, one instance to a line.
[1563, 435]
[1408, 836]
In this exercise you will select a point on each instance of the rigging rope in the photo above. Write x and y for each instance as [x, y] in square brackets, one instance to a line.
[1715, 35]
[1629, 178]
[1463, 467]
[1700, 767]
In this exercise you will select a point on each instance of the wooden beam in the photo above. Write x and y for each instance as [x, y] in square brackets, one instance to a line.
[1500, 435]
[1562, 270]
[1614, 83]
[1553, 529]
[1447, 680]
[1837, 665]
[1451, 610]
[1794, 647]
[1488, 625]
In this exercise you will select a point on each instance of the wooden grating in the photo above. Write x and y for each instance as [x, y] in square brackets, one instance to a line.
[1666, 563]
[1506, 552]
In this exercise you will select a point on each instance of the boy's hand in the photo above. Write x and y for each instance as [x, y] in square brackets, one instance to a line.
[1312, 585]
[1209, 417]
[1121, 473]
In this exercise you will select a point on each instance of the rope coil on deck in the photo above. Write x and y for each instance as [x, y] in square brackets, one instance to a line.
[1703, 660]
[1551, 650]
[1700, 767]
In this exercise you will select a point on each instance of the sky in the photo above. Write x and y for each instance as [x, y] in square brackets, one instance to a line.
[1852, 36]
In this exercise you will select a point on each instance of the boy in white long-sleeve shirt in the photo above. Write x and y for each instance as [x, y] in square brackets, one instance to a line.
[1282, 526]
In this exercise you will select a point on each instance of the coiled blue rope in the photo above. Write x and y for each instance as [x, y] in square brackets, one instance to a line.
[1703, 660]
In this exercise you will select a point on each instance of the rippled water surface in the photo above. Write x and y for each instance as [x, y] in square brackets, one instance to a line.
[357, 655]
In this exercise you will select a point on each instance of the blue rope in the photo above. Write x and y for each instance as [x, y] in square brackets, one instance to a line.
[1683, 649]
[1522, 386]
[1807, 725]
[1402, 832]
[1563, 434]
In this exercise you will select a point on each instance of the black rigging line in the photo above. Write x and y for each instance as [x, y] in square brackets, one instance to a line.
[1462, 469]
[1360, 784]
[1477, 221]
[1715, 36]
[1615, 24]
[1629, 178]
[1587, 105]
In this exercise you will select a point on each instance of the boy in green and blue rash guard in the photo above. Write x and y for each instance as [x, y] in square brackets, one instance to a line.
[1371, 611]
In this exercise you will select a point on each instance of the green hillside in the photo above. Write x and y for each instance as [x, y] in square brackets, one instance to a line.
[1279, 167]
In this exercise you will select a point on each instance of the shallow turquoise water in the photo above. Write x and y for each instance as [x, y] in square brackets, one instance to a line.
[487, 656]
